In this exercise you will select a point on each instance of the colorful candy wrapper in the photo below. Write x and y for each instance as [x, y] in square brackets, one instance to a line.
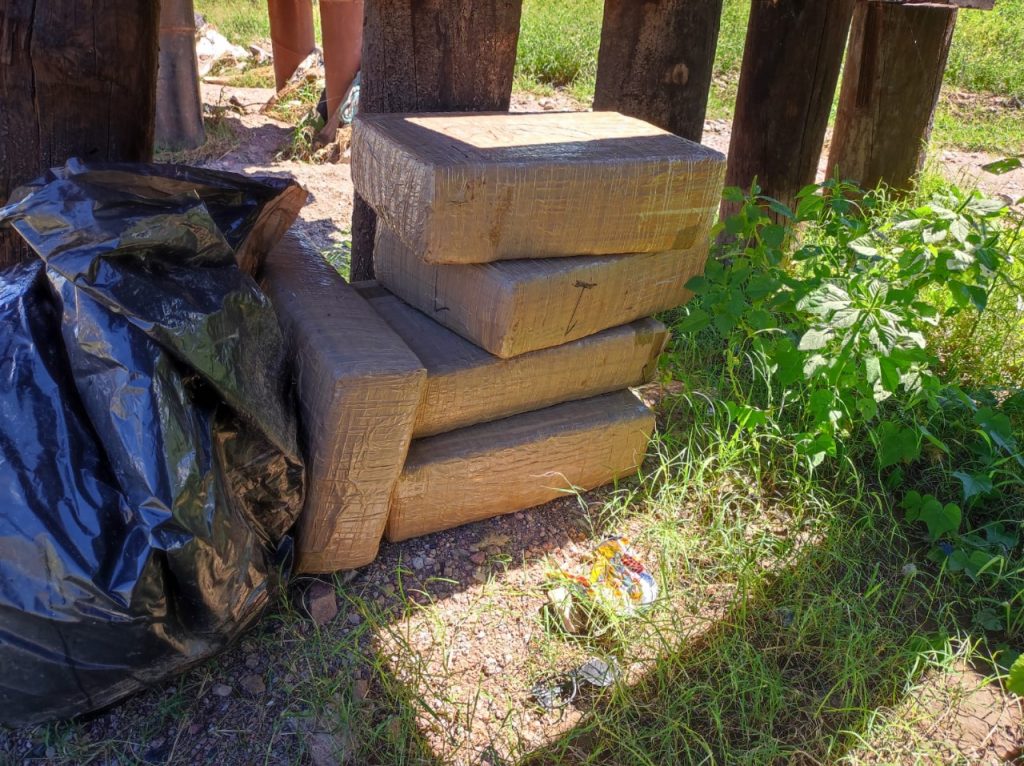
[617, 579]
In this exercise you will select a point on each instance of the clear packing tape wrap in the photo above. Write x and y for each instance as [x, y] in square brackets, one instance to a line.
[466, 385]
[514, 307]
[475, 188]
[518, 462]
[359, 388]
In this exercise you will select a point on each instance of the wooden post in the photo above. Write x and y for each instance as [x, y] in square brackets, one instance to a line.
[291, 36]
[179, 107]
[341, 23]
[432, 55]
[656, 61]
[791, 64]
[77, 79]
[890, 88]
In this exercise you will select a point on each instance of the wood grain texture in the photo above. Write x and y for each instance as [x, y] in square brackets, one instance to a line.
[432, 56]
[77, 79]
[656, 60]
[467, 386]
[788, 78]
[519, 462]
[890, 89]
[179, 108]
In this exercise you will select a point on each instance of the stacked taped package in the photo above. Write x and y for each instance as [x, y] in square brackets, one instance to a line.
[519, 259]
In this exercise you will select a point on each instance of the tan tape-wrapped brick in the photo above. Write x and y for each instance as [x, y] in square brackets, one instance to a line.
[475, 188]
[512, 307]
[525, 460]
[359, 387]
[466, 385]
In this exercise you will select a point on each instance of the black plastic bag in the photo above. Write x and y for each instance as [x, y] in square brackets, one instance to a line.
[148, 461]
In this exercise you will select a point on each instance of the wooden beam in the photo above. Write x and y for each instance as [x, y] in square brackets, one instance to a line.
[432, 56]
[980, 5]
[791, 63]
[656, 61]
[77, 79]
[179, 107]
[291, 36]
[890, 88]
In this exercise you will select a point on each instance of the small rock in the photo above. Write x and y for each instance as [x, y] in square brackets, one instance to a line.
[478, 558]
[355, 618]
[194, 729]
[323, 603]
[418, 562]
[221, 690]
[326, 749]
[479, 575]
[361, 688]
[252, 661]
[253, 684]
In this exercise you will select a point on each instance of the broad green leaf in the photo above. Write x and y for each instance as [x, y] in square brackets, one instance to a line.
[988, 619]
[789, 362]
[864, 246]
[774, 235]
[997, 535]
[745, 416]
[814, 365]
[890, 373]
[974, 483]
[698, 285]
[761, 285]
[896, 444]
[960, 230]
[695, 321]
[940, 519]
[998, 427]
[1015, 679]
[814, 339]
[733, 194]
[1005, 165]
[759, 319]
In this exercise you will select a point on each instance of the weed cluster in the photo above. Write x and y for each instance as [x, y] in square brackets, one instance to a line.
[849, 329]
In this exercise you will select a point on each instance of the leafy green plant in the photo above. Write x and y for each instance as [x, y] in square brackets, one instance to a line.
[825, 314]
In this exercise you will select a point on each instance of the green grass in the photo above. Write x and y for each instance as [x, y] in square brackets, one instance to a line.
[986, 51]
[243, 21]
[559, 41]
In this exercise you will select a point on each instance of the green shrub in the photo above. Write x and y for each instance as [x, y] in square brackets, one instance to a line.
[849, 326]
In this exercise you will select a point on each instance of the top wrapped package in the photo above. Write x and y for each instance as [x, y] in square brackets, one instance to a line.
[481, 187]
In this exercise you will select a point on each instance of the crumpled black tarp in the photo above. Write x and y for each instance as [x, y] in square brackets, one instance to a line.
[148, 460]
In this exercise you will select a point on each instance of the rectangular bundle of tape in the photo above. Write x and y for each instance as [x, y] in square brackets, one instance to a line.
[518, 462]
[475, 188]
[359, 388]
[513, 307]
[466, 385]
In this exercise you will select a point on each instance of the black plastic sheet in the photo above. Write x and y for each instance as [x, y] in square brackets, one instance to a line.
[148, 462]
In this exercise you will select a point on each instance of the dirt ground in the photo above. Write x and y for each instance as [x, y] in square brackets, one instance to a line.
[457, 605]
[326, 218]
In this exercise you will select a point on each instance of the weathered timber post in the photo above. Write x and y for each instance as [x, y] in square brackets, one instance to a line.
[292, 37]
[77, 79]
[179, 107]
[656, 61]
[341, 23]
[432, 55]
[890, 88]
[791, 64]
